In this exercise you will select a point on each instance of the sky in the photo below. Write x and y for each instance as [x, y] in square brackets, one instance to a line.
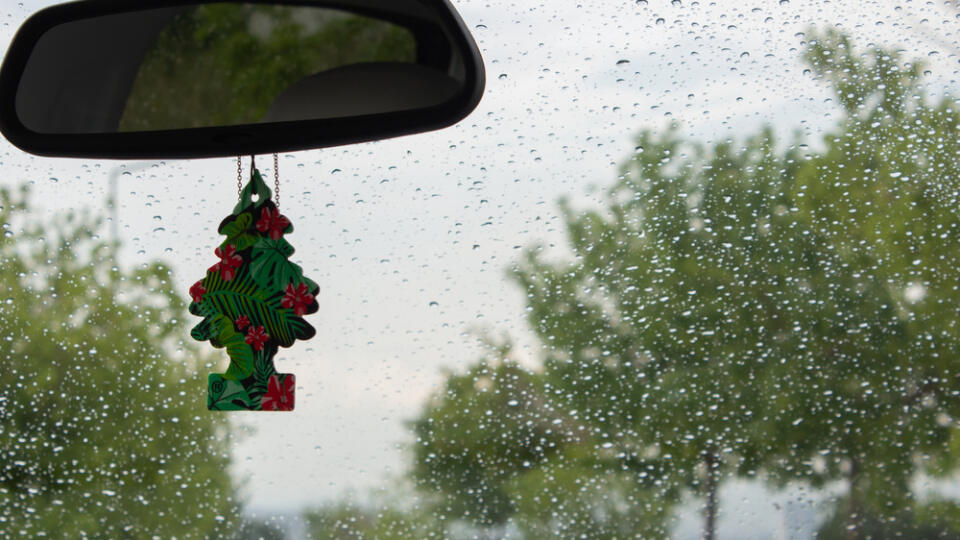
[411, 239]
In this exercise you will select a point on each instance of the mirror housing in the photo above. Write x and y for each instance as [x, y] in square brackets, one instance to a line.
[299, 121]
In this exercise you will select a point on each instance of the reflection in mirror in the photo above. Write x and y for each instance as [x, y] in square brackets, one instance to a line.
[224, 64]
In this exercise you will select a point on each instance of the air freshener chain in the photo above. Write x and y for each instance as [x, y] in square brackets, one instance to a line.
[276, 179]
[239, 178]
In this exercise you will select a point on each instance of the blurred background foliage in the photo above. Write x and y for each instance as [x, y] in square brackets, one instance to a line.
[100, 434]
[246, 56]
[781, 311]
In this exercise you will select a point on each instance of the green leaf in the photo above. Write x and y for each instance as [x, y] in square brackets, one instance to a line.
[241, 241]
[237, 232]
[227, 395]
[241, 354]
[271, 267]
[263, 369]
[237, 401]
[203, 331]
[243, 296]
[237, 226]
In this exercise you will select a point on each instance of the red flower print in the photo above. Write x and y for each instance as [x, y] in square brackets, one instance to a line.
[279, 396]
[274, 222]
[229, 262]
[197, 291]
[256, 337]
[298, 298]
[242, 322]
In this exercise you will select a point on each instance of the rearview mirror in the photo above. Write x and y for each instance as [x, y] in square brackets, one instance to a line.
[185, 79]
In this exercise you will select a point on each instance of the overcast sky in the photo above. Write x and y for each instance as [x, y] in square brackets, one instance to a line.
[410, 239]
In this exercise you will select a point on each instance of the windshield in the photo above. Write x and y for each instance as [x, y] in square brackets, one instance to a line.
[688, 271]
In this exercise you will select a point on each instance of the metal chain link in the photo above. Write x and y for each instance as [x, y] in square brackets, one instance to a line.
[276, 179]
[239, 178]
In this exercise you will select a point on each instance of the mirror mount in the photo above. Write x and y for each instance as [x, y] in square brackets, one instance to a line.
[443, 45]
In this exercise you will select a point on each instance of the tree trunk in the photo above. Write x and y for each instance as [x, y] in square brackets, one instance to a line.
[710, 510]
[854, 506]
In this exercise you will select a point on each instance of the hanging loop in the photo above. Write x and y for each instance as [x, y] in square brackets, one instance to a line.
[255, 192]
[257, 186]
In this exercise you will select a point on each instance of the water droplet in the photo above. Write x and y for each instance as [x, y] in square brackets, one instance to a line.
[502, 76]
[660, 20]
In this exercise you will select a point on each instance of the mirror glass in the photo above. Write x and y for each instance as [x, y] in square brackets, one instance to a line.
[227, 64]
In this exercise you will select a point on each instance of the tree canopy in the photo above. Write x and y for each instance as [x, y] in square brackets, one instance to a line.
[755, 308]
[103, 427]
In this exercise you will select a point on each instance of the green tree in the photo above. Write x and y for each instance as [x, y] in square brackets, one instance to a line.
[879, 308]
[580, 495]
[484, 429]
[386, 521]
[753, 309]
[668, 331]
[103, 427]
[889, 525]
[260, 529]
[495, 450]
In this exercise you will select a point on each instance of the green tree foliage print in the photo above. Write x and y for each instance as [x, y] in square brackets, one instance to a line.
[252, 302]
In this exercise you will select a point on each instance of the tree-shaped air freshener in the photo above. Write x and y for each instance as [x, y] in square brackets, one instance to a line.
[252, 302]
